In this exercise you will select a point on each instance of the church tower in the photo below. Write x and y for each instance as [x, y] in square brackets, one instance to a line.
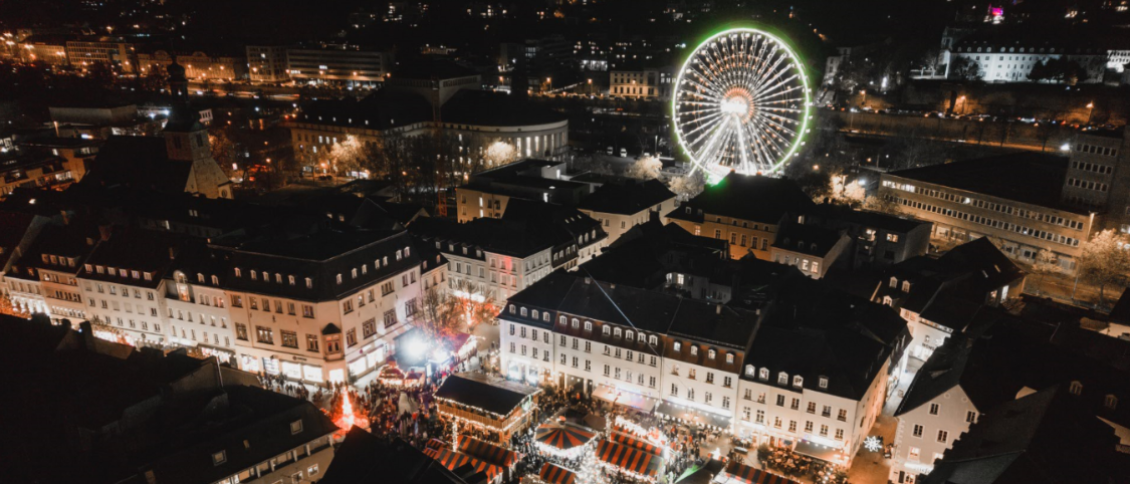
[186, 139]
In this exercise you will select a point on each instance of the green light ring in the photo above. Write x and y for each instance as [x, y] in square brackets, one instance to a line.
[805, 117]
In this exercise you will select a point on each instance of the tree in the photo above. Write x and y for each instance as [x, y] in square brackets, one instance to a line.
[224, 150]
[687, 187]
[879, 204]
[1058, 70]
[964, 69]
[446, 312]
[646, 168]
[1105, 259]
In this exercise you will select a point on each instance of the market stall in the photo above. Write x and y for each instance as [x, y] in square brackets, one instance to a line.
[692, 416]
[736, 473]
[562, 440]
[392, 375]
[632, 462]
[489, 453]
[553, 474]
[624, 439]
[495, 406]
[453, 460]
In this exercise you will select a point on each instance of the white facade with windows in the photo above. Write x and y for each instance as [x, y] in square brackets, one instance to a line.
[927, 431]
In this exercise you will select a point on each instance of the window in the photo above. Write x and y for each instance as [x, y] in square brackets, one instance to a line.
[729, 358]
[296, 427]
[763, 373]
[390, 318]
[311, 343]
[971, 417]
[351, 337]
[918, 430]
[798, 381]
[241, 331]
[934, 408]
[1076, 387]
[265, 335]
[943, 436]
[219, 457]
[1110, 402]
[823, 382]
[749, 370]
[369, 328]
[782, 378]
[842, 415]
[677, 346]
[289, 339]
[811, 408]
[307, 311]
[780, 400]
[912, 454]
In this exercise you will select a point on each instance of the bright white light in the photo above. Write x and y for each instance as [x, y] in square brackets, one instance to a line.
[1065, 147]
[417, 348]
[734, 105]
[872, 443]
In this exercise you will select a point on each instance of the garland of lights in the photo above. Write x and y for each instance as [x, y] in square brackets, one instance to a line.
[741, 103]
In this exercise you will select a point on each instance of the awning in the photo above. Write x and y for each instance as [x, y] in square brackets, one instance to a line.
[629, 459]
[625, 398]
[454, 460]
[694, 416]
[822, 452]
[557, 475]
[637, 444]
[563, 437]
[736, 472]
[490, 453]
[435, 444]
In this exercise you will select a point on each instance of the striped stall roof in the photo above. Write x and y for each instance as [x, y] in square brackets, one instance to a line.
[553, 474]
[629, 459]
[750, 475]
[453, 460]
[436, 444]
[637, 444]
[488, 452]
[563, 438]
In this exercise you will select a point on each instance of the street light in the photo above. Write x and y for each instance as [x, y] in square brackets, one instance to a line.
[1090, 110]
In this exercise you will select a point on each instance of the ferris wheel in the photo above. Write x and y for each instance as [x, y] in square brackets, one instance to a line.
[741, 102]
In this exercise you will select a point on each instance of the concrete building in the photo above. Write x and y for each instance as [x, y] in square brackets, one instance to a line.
[267, 63]
[745, 210]
[54, 163]
[51, 49]
[199, 66]
[1010, 54]
[112, 51]
[811, 248]
[1015, 200]
[619, 206]
[641, 82]
[1098, 177]
[44, 277]
[344, 64]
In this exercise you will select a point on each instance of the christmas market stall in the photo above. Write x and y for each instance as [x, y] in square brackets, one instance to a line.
[632, 462]
[562, 440]
[392, 375]
[497, 407]
[453, 460]
[489, 453]
[554, 474]
[736, 473]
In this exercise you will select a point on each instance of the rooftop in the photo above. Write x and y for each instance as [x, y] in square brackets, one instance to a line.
[627, 198]
[755, 198]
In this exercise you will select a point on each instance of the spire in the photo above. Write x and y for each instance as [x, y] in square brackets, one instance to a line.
[178, 82]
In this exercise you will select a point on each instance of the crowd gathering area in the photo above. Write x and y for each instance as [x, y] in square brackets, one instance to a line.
[475, 422]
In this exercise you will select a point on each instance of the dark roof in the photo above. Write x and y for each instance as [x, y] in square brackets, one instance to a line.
[381, 110]
[746, 197]
[140, 250]
[73, 241]
[431, 69]
[485, 108]
[812, 329]
[643, 309]
[140, 162]
[1033, 178]
[16, 226]
[836, 215]
[498, 236]
[1041, 438]
[628, 198]
[1120, 314]
[807, 239]
[475, 391]
[363, 458]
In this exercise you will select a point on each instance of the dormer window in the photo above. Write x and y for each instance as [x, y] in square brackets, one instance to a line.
[255, 275]
[763, 373]
[653, 340]
[607, 331]
[906, 286]
[694, 350]
[523, 312]
[512, 309]
[219, 458]
[338, 278]
[894, 283]
[798, 381]
[629, 335]
[576, 323]
[545, 317]
[309, 283]
[215, 281]
[406, 251]
[710, 354]
[353, 273]
[399, 255]
[729, 358]
[823, 382]
[749, 370]
[200, 278]
[782, 378]
[290, 279]
[677, 346]
[1110, 402]
[535, 314]
[617, 333]
[238, 273]
[1076, 387]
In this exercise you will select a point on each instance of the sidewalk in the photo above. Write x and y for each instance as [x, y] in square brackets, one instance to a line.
[871, 467]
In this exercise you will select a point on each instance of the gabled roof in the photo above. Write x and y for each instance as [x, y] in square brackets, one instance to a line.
[140, 162]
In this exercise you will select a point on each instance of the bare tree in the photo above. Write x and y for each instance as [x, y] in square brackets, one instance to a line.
[646, 168]
[687, 187]
[879, 204]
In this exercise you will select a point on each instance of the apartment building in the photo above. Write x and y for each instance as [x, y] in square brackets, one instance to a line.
[488, 193]
[111, 51]
[44, 277]
[1098, 177]
[746, 210]
[198, 66]
[339, 63]
[267, 63]
[619, 206]
[637, 82]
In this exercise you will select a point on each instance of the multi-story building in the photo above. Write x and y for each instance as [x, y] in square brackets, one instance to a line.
[267, 63]
[812, 359]
[487, 193]
[941, 297]
[819, 370]
[346, 64]
[44, 278]
[641, 82]
[198, 66]
[878, 239]
[621, 206]
[495, 258]
[811, 248]
[1098, 177]
[51, 49]
[1013, 199]
[743, 209]
[1010, 56]
[112, 51]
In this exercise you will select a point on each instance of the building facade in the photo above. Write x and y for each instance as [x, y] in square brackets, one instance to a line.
[340, 63]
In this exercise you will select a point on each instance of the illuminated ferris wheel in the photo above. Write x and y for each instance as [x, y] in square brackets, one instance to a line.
[741, 102]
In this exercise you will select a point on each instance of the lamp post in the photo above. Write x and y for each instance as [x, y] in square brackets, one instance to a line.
[1090, 110]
